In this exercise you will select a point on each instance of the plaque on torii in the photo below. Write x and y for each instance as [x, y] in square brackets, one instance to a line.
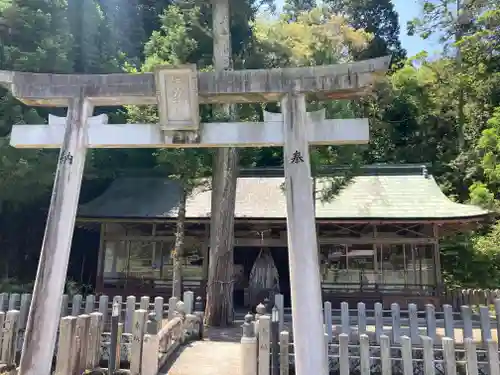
[178, 91]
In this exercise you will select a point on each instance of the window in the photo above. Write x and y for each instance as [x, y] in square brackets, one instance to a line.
[115, 259]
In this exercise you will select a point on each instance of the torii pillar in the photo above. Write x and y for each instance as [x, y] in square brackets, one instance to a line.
[178, 92]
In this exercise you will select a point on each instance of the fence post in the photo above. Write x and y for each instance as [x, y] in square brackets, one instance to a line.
[138, 332]
[188, 299]
[2, 319]
[24, 310]
[344, 318]
[14, 300]
[248, 348]
[198, 306]
[428, 354]
[144, 304]
[430, 318]
[467, 321]
[64, 305]
[343, 354]
[149, 365]
[114, 344]
[484, 316]
[361, 318]
[396, 322]
[94, 341]
[82, 332]
[4, 297]
[379, 321]
[450, 366]
[471, 356]
[172, 303]
[385, 354]
[364, 354]
[89, 304]
[407, 356]
[327, 312]
[76, 304]
[159, 311]
[413, 317]
[284, 353]
[279, 302]
[103, 309]
[8, 349]
[264, 344]
[449, 327]
[67, 332]
[129, 314]
[492, 349]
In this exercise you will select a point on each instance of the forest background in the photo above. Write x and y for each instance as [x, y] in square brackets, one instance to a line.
[443, 111]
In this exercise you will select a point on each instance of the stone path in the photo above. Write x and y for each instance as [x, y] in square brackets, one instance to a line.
[217, 354]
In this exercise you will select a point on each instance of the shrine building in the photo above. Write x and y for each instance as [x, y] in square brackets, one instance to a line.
[378, 237]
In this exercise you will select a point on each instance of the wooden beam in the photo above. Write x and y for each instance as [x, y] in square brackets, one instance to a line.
[236, 134]
[241, 86]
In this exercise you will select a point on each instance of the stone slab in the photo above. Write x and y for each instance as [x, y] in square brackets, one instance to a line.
[256, 85]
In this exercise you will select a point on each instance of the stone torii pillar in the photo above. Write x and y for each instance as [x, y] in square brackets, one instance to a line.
[178, 92]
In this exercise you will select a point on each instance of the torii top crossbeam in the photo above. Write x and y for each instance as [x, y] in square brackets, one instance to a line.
[340, 81]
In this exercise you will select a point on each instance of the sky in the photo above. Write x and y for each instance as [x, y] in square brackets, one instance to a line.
[407, 10]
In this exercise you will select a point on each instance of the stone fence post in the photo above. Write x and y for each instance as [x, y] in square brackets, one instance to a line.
[248, 348]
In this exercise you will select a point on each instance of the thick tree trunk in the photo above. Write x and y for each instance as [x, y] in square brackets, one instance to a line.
[219, 306]
[178, 253]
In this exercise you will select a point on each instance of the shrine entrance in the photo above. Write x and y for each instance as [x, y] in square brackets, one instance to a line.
[256, 270]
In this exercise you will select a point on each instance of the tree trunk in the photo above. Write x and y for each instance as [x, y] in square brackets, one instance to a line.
[219, 306]
[178, 253]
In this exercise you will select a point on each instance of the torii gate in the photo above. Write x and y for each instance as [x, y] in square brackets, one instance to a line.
[178, 93]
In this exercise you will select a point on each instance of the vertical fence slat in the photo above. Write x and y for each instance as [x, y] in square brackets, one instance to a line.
[24, 310]
[279, 302]
[76, 304]
[264, 344]
[471, 356]
[188, 299]
[64, 357]
[144, 304]
[361, 318]
[364, 354]
[172, 303]
[497, 315]
[89, 304]
[149, 365]
[2, 320]
[493, 364]
[385, 355]
[4, 298]
[94, 341]
[9, 340]
[114, 344]
[158, 311]
[284, 353]
[428, 355]
[379, 321]
[14, 301]
[413, 318]
[406, 355]
[396, 322]
[430, 319]
[138, 331]
[450, 366]
[129, 314]
[64, 305]
[484, 316]
[82, 331]
[344, 318]
[103, 309]
[449, 326]
[343, 354]
[466, 313]
[328, 320]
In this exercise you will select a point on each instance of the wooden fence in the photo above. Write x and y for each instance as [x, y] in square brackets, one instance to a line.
[83, 344]
[471, 297]
[396, 341]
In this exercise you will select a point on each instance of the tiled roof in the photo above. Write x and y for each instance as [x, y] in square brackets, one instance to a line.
[369, 196]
